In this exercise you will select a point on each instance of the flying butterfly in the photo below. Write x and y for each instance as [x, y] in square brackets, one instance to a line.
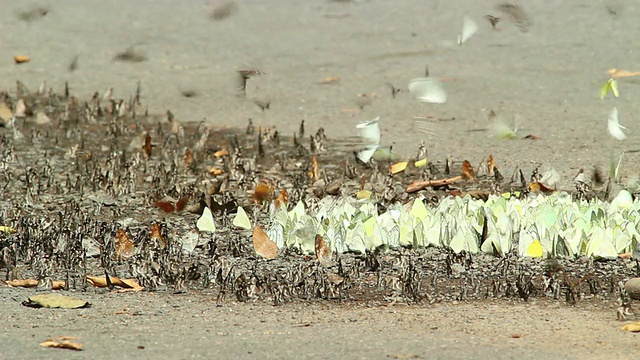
[614, 127]
[370, 133]
[427, 89]
[469, 27]
[517, 14]
[243, 76]
[493, 20]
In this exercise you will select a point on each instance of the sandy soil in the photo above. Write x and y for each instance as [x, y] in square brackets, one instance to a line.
[548, 79]
[162, 326]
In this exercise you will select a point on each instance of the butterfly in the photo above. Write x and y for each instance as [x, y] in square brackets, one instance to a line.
[469, 27]
[370, 133]
[614, 127]
[429, 90]
[241, 219]
[323, 252]
[264, 246]
[205, 222]
[243, 76]
[493, 20]
[610, 86]
[517, 14]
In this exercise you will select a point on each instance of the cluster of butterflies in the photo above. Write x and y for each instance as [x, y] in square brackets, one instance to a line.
[546, 226]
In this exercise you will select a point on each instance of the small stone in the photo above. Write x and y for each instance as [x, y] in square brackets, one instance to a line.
[632, 286]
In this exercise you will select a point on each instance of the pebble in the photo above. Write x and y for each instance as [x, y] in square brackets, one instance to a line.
[633, 288]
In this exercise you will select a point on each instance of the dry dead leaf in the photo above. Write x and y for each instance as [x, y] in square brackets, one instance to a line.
[399, 167]
[330, 80]
[221, 153]
[20, 59]
[617, 74]
[101, 282]
[63, 342]
[28, 283]
[632, 327]
[55, 301]
[264, 246]
[214, 171]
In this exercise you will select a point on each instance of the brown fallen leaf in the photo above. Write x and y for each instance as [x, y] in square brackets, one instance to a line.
[20, 59]
[62, 342]
[28, 283]
[55, 301]
[101, 282]
[221, 153]
[214, 171]
[330, 80]
[264, 246]
[632, 327]
[398, 167]
[617, 74]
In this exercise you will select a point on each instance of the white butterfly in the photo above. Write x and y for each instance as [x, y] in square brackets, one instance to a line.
[428, 90]
[370, 133]
[469, 27]
[241, 219]
[205, 222]
[614, 127]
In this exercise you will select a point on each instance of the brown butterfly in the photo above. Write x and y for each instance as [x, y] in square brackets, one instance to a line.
[517, 14]
[323, 253]
[243, 76]
[123, 245]
[168, 206]
[264, 246]
[493, 20]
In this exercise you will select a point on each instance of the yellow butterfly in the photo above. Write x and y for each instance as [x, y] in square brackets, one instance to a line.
[610, 86]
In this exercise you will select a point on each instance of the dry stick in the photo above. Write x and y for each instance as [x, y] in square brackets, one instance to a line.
[418, 185]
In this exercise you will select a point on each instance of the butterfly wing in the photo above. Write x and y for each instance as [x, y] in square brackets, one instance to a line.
[428, 90]
[241, 219]
[205, 222]
[469, 27]
[614, 127]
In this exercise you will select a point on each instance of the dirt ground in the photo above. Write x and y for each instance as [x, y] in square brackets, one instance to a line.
[548, 79]
[163, 326]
